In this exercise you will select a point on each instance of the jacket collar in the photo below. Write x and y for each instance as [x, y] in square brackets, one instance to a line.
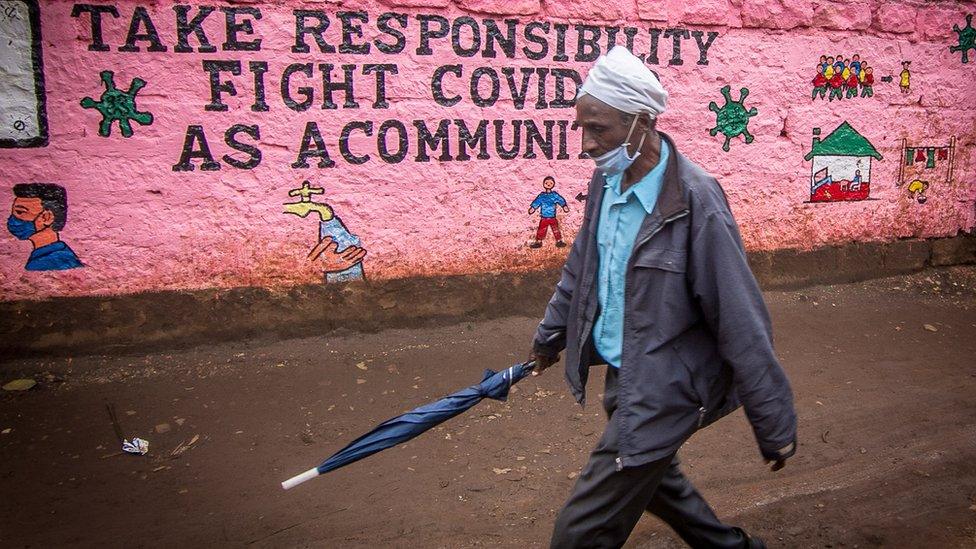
[672, 198]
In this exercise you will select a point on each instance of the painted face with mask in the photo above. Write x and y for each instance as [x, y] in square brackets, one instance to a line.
[22, 229]
[24, 216]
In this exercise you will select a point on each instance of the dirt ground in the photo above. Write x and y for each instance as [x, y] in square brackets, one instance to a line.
[887, 454]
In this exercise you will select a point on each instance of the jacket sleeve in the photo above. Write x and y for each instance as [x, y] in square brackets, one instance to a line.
[734, 309]
[550, 337]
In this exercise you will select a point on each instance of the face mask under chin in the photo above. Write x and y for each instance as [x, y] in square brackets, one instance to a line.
[615, 161]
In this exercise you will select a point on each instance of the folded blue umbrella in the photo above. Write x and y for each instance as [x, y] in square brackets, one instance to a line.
[406, 426]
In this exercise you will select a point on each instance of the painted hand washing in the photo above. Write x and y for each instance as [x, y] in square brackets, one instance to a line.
[273, 144]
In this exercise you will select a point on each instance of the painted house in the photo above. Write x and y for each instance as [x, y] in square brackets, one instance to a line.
[841, 168]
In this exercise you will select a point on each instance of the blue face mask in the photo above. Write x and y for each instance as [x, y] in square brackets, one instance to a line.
[615, 161]
[20, 228]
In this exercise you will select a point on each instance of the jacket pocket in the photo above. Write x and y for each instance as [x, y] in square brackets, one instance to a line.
[675, 261]
[694, 360]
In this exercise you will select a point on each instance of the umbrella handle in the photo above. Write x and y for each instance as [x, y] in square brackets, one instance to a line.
[298, 479]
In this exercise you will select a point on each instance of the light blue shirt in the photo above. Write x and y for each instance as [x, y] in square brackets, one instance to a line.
[621, 216]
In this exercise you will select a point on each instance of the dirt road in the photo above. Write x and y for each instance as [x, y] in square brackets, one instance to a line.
[887, 455]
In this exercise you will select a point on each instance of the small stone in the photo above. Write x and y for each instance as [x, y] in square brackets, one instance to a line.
[130, 412]
[362, 366]
[20, 385]
[863, 450]
[572, 475]
[498, 471]
[360, 381]
[6, 431]
[163, 428]
[930, 327]
[519, 458]
[180, 421]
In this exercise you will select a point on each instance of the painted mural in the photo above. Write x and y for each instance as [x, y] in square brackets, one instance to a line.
[546, 204]
[273, 143]
[339, 251]
[840, 78]
[922, 165]
[23, 110]
[967, 39]
[841, 165]
[119, 106]
[38, 214]
[732, 119]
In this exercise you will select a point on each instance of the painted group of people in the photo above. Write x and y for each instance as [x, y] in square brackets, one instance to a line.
[843, 78]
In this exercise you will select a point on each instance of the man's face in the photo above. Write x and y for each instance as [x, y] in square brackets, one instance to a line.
[604, 127]
[548, 184]
[32, 209]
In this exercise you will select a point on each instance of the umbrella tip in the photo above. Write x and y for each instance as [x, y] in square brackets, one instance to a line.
[298, 479]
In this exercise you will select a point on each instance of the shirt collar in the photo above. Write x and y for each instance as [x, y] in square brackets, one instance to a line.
[645, 189]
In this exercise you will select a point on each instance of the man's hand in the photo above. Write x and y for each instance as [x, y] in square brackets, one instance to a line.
[779, 463]
[542, 362]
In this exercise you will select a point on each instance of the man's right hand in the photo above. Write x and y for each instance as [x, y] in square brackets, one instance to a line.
[542, 362]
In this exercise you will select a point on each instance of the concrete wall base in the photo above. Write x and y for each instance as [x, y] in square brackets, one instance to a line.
[143, 322]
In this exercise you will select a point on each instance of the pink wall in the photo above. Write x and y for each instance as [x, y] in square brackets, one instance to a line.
[138, 225]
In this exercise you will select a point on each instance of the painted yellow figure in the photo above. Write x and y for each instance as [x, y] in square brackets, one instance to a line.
[829, 72]
[906, 77]
[917, 189]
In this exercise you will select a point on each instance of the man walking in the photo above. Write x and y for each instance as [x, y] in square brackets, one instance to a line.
[657, 286]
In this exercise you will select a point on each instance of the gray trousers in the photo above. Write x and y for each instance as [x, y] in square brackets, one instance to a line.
[606, 504]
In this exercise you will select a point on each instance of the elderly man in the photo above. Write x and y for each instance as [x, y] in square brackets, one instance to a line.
[657, 287]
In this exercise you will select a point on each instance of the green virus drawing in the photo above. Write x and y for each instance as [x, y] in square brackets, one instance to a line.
[118, 105]
[967, 39]
[733, 118]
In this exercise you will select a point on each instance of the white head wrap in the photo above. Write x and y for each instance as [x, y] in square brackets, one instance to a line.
[624, 82]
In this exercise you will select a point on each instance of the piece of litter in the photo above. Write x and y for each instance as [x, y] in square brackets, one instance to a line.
[361, 366]
[930, 327]
[19, 385]
[572, 475]
[163, 428]
[238, 432]
[360, 381]
[160, 468]
[6, 431]
[130, 412]
[498, 471]
[184, 446]
[180, 421]
[137, 446]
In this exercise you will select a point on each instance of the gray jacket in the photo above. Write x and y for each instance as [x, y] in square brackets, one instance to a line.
[697, 337]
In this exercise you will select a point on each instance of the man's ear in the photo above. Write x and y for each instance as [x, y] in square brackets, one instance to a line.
[46, 218]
